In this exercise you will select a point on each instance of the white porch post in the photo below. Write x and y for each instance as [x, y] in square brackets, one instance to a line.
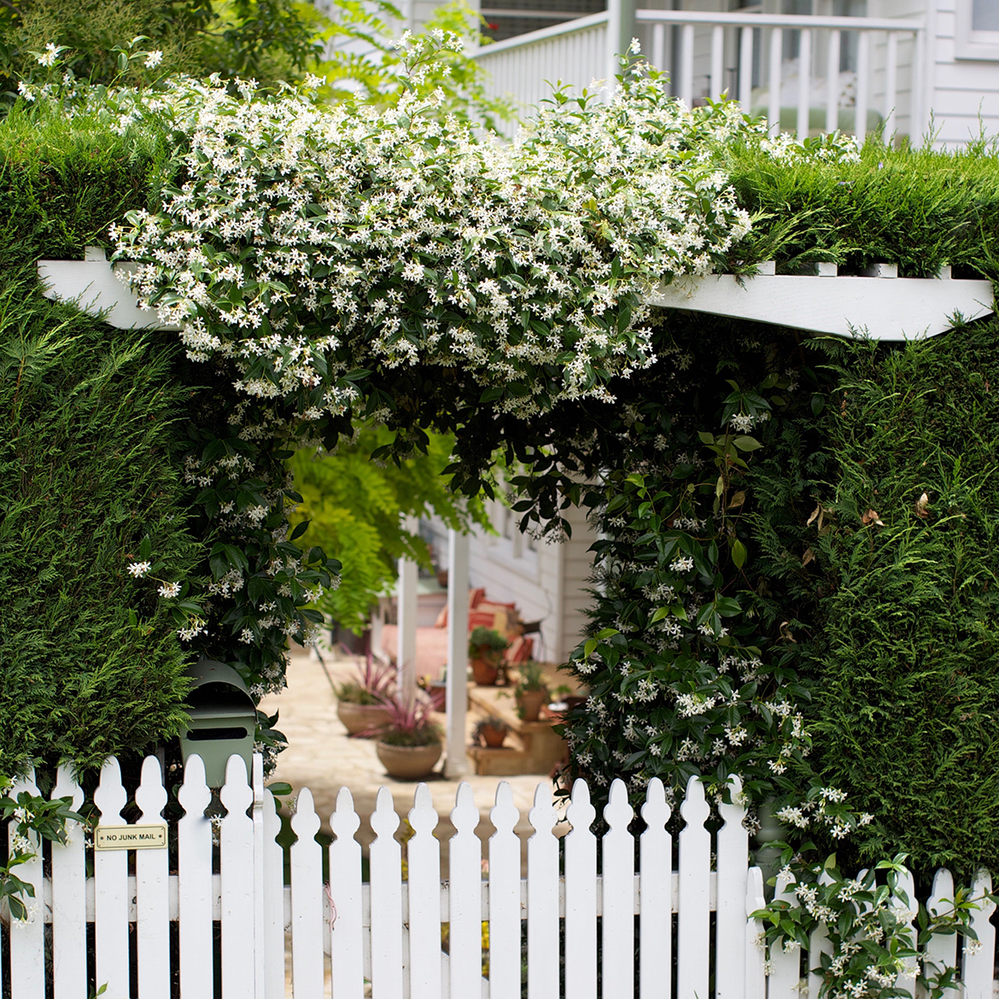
[406, 651]
[456, 762]
[620, 31]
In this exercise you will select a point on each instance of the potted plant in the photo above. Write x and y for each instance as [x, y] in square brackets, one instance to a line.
[361, 702]
[485, 653]
[409, 745]
[531, 692]
[490, 732]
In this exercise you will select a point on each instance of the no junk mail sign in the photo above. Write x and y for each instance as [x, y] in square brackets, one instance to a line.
[151, 836]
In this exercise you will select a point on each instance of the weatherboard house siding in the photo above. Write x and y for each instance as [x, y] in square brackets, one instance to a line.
[547, 584]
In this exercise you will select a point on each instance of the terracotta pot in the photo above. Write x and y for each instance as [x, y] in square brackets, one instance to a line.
[485, 672]
[408, 762]
[437, 691]
[359, 718]
[493, 737]
[530, 703]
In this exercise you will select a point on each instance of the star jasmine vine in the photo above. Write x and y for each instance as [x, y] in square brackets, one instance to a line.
[310, 242]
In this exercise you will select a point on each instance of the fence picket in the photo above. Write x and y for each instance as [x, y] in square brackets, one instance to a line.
[818, 944]
[27, 936]
[542, 899]
[69, 899]
[941, 951]
[903, 901]
[386, 901]
[693, 918]
[152, 886]
[272, 883]
[756, 981]
[111, 889]
[260, 937]
[581, 896]
[733, 874]
[236, 859]
[404, 955]
[656, 924]
[194, 889]
[979, 961]
[465, 897]
[504, 897]
[785, 973]
[306, 900]
[347, 917]
[424, 874]
[618, 865]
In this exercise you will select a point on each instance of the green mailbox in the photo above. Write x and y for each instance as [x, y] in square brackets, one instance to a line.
[223, 719]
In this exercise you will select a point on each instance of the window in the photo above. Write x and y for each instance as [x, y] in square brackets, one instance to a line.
[977, 29]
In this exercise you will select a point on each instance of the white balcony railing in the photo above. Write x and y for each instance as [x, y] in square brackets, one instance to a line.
[805, 73]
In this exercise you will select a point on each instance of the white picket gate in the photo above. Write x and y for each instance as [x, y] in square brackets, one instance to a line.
[234, 915]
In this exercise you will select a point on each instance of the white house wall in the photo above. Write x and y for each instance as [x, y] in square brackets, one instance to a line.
[547, 584]
[956, 88]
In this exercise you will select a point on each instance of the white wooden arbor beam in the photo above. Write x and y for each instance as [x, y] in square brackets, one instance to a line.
[882, 305]
[95, 287]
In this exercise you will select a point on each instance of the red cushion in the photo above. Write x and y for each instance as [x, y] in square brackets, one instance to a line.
[520, 650]
[480, 619]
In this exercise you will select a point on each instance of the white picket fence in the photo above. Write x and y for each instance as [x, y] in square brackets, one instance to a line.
[388, 930]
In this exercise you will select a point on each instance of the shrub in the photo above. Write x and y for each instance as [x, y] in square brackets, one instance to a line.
[90, 663]
[904, 672]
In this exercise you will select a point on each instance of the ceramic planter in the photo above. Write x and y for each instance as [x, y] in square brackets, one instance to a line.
[359, 718]
[408, 762]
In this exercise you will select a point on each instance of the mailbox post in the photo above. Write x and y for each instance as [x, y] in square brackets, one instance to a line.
[223, 719]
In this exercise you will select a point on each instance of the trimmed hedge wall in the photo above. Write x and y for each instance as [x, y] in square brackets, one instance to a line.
[905, 669]
[88, 469]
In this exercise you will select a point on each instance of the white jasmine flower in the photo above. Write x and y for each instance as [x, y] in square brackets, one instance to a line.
[154, 59]
[49, 56]
[139, 569]
[169, 590]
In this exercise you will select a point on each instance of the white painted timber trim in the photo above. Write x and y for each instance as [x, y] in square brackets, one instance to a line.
[91, 284]
[882, 306]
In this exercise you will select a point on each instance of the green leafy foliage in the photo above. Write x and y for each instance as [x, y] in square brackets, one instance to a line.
[381, 70]
[919, 208]
[904, 666]
[268, 40]
[64, 181]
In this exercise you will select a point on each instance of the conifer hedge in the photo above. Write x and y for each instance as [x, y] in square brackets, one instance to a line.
[904, 663]
[88, 469]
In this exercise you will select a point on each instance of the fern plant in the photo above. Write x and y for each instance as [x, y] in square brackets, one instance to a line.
[358, 508]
